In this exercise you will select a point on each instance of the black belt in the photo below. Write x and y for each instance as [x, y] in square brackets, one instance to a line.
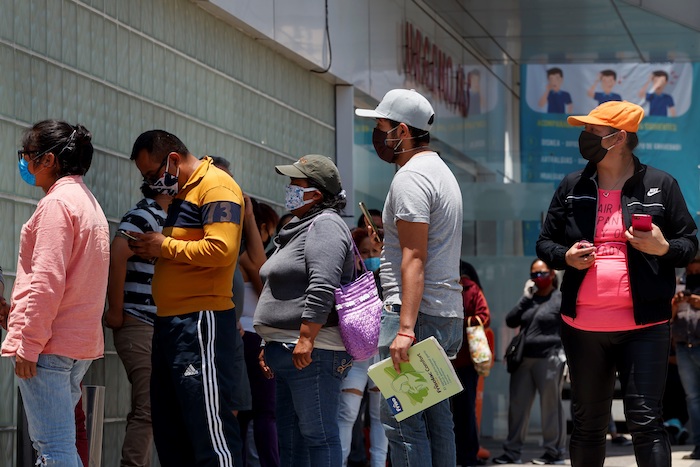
[396, 308]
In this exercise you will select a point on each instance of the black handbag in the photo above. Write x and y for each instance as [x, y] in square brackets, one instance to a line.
[514, 352]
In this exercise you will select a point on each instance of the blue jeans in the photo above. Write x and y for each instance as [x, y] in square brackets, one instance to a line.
[427, 438]
[307, 405]
[689, 370]
[49, 401]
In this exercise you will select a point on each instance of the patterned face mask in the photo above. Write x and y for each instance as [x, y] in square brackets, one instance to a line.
[167, 183]
[294, 197]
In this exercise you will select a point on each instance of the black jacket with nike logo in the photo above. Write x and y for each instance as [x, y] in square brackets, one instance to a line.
[572, 217]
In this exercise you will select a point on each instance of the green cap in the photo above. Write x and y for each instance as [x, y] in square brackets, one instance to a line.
[320, 169]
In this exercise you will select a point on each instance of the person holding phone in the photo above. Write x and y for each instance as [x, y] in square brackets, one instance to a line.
[541, 371]
[130, 314]
[54, 331]
[618, 282]
[353, 387]
[197, 352]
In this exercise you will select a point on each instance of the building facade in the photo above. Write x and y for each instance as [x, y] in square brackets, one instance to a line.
[260, 83]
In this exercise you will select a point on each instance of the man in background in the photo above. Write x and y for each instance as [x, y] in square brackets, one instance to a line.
[130, 314]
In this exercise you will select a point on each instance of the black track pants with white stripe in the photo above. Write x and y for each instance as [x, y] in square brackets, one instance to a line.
[197, 363]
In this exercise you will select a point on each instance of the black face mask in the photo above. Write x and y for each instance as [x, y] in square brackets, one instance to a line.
[692, 282]
[590, 146]
[385, 153]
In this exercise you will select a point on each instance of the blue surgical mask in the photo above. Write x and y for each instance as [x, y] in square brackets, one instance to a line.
[24, 172]
[372, 263]
[167, 183]
[294, 197]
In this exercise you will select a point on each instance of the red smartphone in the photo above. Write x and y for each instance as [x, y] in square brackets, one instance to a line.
[641, 222]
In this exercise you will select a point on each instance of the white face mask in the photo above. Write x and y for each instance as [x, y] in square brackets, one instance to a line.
[294, 197]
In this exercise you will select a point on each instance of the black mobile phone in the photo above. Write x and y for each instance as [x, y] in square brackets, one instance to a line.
[585, 244]
[126, 235]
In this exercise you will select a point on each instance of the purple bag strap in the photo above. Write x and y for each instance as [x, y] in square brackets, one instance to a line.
[356, 255]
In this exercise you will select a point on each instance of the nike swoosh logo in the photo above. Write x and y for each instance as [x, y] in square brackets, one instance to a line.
[653, 191]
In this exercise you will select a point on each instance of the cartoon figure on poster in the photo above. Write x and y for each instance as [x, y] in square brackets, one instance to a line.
[662, 89]
[660, 103]
[607, 79]
[556, 100]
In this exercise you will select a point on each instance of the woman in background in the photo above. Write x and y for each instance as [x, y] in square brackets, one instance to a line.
[464, 403]
[262, 389]
[541, 371]
[353, 386]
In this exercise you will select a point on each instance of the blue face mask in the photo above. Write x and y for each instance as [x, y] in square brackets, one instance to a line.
[24, 172]
[372, 263]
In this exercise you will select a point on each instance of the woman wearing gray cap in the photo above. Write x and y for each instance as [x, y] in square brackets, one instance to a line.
[296, 317]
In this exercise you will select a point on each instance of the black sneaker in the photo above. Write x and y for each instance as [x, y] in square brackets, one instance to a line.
[693, 455]
[506, 459]
[548, 459]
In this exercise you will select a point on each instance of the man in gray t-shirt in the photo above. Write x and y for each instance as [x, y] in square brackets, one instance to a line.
[419, 266]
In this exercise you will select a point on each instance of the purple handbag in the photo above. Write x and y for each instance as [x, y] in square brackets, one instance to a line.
[359, 313]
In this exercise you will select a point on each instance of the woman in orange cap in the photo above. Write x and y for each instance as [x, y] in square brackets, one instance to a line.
[618, 228]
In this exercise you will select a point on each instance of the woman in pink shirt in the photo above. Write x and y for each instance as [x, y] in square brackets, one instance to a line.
[54, 325]
[618, 282]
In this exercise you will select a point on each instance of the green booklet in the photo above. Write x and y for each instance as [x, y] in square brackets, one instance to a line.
[426, 379]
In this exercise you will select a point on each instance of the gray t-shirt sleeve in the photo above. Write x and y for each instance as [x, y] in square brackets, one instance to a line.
[413, 201]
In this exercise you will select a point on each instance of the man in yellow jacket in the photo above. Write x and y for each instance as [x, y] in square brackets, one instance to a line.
[197, 351]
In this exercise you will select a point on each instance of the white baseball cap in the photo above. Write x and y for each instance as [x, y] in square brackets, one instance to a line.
[403, 106]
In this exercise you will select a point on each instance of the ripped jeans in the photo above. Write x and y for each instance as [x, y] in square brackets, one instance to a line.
[49, 401]
[351, 394]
